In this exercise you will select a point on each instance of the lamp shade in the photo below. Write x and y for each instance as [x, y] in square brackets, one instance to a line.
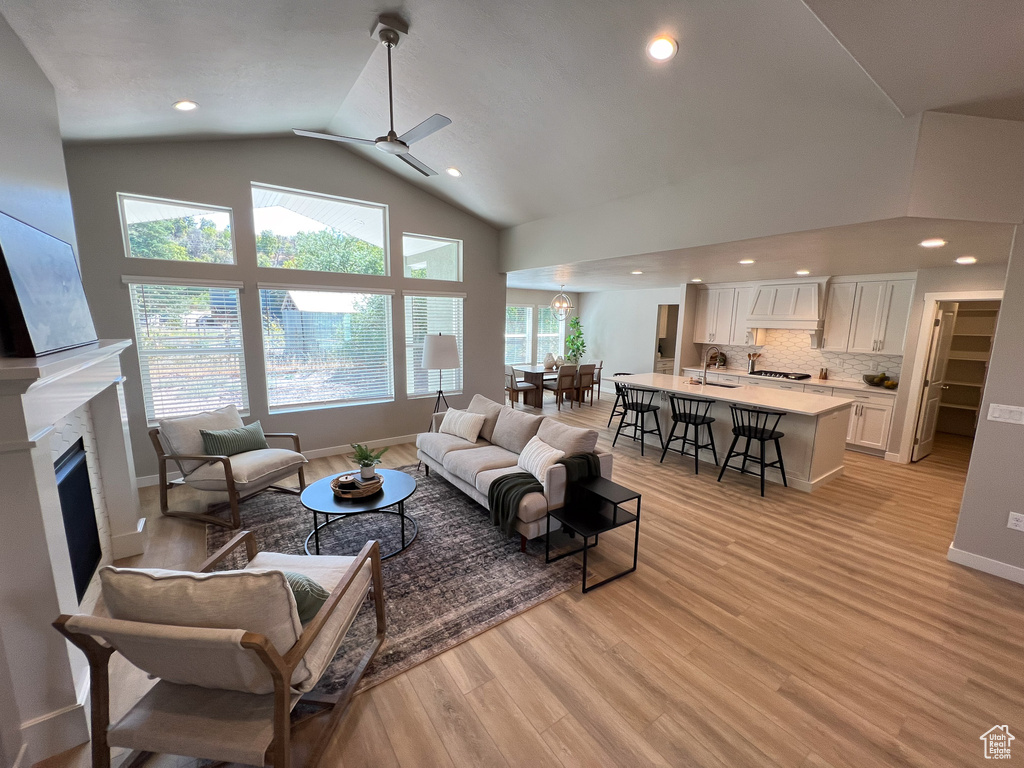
[440, 352]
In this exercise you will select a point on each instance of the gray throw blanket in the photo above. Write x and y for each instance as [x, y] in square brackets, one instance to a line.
[508, 491]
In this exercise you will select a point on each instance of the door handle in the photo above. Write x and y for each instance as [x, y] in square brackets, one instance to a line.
[945, 386]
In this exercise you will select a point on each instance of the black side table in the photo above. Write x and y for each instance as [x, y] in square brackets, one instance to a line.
[595, 511]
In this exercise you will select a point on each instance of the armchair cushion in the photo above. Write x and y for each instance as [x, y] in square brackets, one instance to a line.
[182, 435]
[249, 600]
[250, 470]
[228, 442]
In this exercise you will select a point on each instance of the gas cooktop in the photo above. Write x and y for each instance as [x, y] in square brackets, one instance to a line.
[781, 375]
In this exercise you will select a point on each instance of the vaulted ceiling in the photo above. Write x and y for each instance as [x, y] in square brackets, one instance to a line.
[555, 106]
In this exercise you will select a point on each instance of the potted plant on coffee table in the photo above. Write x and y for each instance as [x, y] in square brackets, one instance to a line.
[366, 459]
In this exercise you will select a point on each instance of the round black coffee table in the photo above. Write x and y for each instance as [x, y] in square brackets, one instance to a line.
[320, 500]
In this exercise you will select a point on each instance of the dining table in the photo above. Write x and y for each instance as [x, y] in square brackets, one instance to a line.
[535, 374]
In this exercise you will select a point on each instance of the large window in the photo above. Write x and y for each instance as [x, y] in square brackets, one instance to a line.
[326, 347]
[308, 231]
[550, 334]
[428, 315]
[189, 341]
[432, 258]
[175, 231]
[517, 334]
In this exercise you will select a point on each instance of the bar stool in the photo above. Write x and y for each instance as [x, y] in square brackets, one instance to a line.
[639, 403]
[760, 425]
[617, 406]
[691, 412]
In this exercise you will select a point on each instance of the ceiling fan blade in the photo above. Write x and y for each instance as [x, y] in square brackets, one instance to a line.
[426, 170]
[332, 137]
[431, 125]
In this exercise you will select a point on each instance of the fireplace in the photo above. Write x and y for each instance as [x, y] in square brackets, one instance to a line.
[79, 513]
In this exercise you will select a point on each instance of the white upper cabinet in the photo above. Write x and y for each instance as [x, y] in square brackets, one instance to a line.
[742, 335]
[714, 317]
[838, 317]
[868, 317]
[701, 324]
[785, 305]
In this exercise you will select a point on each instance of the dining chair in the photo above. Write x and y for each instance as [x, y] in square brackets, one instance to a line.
[585, 383]
[564, 382]
[597, 376]
[514, 386]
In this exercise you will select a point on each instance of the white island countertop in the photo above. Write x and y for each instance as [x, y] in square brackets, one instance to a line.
[803, 403]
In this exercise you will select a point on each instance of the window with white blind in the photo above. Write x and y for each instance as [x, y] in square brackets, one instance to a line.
[517, 334]
[189, 342]
[550, 334]
[325, 347]
[322, 233]
[172, 230]
[430, 315]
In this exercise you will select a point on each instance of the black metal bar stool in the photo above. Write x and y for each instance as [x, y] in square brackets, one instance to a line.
[617, 407]
[691, 412]
[762, 426]
[638, 403]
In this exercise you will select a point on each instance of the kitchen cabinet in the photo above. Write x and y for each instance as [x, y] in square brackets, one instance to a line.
[665, 365]
[741, 335]
[785, 303]
[870, 420]
[877, 317]
[714, 316]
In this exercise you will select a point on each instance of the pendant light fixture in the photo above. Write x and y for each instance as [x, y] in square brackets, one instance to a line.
[561, 305]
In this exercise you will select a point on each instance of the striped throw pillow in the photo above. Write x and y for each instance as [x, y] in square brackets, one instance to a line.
[228, 442]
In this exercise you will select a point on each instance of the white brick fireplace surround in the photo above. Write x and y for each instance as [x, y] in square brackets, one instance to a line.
[44, 682]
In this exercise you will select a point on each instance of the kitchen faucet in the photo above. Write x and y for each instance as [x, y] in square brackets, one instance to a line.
[707, 356]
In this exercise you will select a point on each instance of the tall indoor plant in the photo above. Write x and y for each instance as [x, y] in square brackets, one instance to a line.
[575, 345]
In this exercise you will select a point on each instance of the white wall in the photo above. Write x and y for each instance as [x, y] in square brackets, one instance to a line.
[621, 327]
[219, 173]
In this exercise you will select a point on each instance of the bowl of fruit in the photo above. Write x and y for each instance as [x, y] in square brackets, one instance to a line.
[875, 379]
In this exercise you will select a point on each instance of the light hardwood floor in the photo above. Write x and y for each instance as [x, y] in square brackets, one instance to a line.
[796, 630]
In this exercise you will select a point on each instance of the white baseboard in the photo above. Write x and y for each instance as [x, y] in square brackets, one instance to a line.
[143, 481]
[890, 456]
[986, 565]
[54, 732]
[129, 544]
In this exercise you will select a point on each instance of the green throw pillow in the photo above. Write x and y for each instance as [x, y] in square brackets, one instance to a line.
[309, 596]
[228, 442]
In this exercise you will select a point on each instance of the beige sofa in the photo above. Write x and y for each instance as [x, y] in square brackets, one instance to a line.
[472, 467]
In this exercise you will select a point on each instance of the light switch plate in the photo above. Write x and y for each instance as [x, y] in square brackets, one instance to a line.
[1011, 414]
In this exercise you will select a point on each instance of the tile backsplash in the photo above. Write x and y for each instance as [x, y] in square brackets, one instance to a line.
[791, 351]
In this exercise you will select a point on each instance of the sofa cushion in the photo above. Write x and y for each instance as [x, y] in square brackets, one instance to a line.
[514, 429]
[537, 457]
[490, 410]
[437, 444]
[533, 506]
[467, 464]
[181, 435]
[248, 469]
[462, 424]
[569, 440]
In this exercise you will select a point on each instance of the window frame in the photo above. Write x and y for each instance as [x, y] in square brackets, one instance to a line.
[313, 288]
[436, 238]
[126, 241]
[386, 226]
[529, 338]
[417, 350]
[536, 335]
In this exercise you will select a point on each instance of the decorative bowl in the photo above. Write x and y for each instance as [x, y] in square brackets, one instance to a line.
[875, 379]
[345, 487]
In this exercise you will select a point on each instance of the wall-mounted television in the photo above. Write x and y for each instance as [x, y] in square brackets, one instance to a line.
[43, 308]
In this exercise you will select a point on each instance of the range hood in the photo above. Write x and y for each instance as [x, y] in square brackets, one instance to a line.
[789, 305]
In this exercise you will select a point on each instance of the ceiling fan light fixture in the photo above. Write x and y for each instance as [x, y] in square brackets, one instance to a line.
[561, 304]
[662, 48]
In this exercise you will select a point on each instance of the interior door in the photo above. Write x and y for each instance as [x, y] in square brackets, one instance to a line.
[935, 375]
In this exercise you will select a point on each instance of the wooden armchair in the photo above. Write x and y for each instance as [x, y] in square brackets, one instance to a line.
[240, 476]
[230, 654]
[564, 384]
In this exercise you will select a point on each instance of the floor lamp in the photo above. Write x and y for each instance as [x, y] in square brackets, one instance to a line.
[439, 353]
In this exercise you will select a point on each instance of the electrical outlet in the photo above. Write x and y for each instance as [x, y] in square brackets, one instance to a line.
[1016, 521]
[1011, 414]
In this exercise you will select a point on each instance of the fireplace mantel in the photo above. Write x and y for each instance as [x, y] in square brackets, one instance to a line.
[43, 680]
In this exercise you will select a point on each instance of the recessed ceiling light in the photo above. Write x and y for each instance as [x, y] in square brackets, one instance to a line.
[746, 261]
[967, 260]
[933, 242]
[453, 171]
[185, 105]
[662, 48]
[803, 271]
[696, 280]
[636, 272]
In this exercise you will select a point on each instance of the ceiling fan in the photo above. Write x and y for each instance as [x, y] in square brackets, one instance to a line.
[389, 31]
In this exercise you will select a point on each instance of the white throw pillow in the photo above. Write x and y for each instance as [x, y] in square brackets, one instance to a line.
[462, 424]
[537, 457]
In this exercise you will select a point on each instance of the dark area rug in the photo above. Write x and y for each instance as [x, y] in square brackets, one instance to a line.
[458, 578]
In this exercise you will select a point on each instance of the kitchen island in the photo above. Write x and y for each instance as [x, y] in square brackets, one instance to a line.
[815, 425]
